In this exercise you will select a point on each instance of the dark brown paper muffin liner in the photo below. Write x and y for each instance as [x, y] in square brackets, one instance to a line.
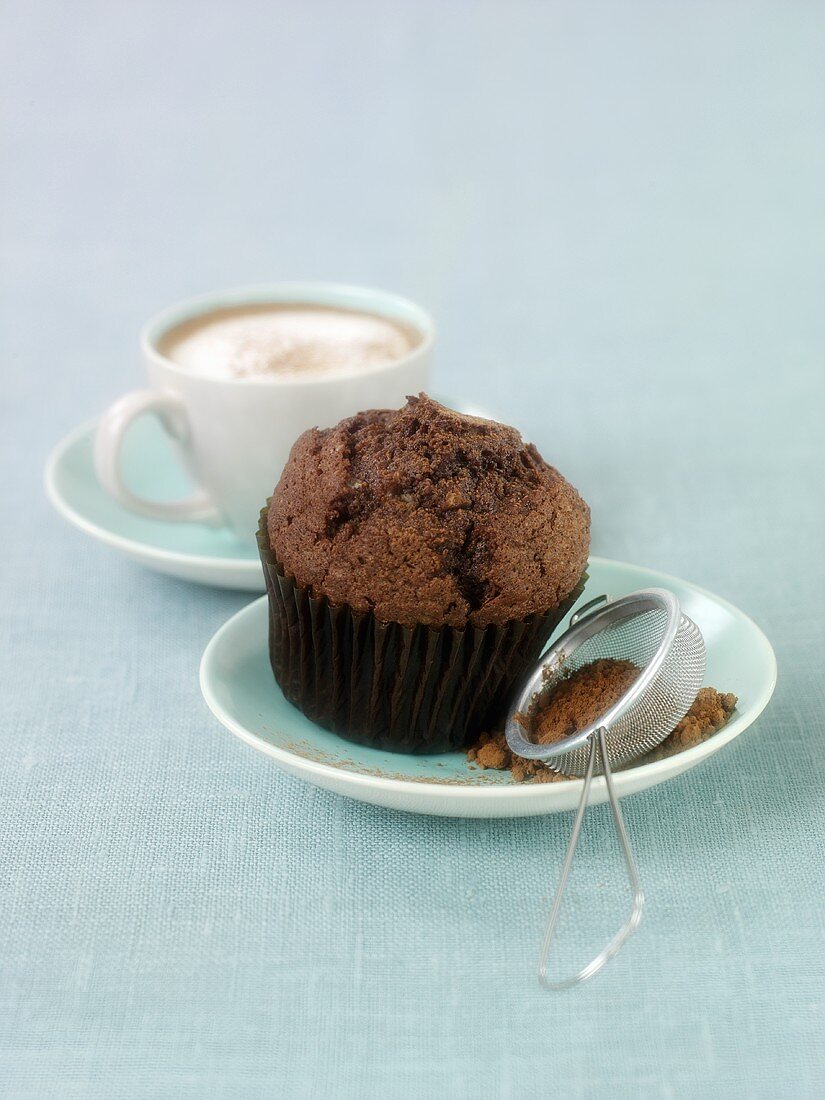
[406, 689]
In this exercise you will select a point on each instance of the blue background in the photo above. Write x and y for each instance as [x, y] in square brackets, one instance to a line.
[615, 213]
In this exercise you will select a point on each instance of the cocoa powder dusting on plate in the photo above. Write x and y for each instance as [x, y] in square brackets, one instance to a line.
[577, 701]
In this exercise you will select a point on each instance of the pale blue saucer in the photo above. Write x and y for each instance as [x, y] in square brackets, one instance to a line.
[238, 686]
[194, 551]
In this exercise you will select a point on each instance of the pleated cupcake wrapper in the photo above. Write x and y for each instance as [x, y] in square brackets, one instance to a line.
[406, 689]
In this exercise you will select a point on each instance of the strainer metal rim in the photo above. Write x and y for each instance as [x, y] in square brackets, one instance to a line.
[584, 628]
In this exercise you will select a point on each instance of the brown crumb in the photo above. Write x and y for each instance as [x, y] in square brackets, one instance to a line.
[597, 686]
[491, 753]
[709, 712]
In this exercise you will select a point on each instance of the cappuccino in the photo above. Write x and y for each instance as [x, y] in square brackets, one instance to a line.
[269, 340]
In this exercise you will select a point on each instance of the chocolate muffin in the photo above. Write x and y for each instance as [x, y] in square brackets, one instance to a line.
[417, 561]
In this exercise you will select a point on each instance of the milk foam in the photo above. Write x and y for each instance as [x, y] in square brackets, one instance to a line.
[269, 340]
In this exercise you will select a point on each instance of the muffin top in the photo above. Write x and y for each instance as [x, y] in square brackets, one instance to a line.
[423, 515]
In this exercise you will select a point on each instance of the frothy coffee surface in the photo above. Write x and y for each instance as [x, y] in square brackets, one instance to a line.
[267, 340]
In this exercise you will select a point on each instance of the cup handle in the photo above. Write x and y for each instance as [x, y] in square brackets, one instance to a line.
[109, 437]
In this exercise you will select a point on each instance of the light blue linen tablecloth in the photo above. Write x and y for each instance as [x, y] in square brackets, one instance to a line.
[615, 212]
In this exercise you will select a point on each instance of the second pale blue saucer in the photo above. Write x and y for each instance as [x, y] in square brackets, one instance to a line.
[193, 551]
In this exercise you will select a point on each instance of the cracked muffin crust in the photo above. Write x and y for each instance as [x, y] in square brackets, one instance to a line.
[424, 515]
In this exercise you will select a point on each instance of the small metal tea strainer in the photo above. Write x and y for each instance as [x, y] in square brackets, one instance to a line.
[649, 629]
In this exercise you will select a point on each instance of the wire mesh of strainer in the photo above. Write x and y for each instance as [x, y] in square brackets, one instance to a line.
[648, 629]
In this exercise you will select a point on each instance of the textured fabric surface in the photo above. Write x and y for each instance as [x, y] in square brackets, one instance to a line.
[615, 213]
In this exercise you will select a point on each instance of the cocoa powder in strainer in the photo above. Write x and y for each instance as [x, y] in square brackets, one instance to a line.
[580, 699]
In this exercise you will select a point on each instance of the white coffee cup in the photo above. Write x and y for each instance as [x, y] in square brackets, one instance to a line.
[234, 434]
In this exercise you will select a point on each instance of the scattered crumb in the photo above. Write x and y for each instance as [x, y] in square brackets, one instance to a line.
[491, 751]
[709, 712]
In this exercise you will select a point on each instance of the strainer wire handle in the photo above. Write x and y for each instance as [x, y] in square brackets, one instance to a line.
[587, 607]
[597, 740]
